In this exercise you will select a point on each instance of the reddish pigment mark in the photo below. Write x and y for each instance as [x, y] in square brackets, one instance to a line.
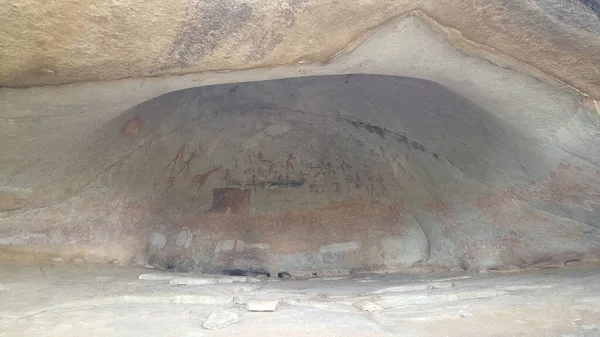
[442, 209]
[227, 176]
[288, 162]
[261, 159]
[344, 166]
[186, 164]
[380, 180]
[170, 182]
[132, 127]
[200, 179]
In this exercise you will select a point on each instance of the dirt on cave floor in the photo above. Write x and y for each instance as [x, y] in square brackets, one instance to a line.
[58, 298]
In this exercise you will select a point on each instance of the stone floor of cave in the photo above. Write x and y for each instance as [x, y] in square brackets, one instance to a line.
[59, 298]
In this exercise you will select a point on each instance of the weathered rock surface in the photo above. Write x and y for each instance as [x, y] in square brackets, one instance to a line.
[368, 305]
[413, 287]
[58, 43]
[261, 305]
[385, 301]
[220, 319]
[45, 299]
[156, 277]
[325, 175]
[482, 157]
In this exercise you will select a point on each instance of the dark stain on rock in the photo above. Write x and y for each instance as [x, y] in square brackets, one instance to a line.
[417, 146]
[287, 183]
[284, 274]
[236, 200]
[270, 37]
[247, 272]
[593, 5]
[402, 139]
[370, 127]
[375, 129]
[208, 23]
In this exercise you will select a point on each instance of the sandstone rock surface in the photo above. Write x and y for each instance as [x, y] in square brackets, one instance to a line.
[261, 305]
[220, 319]
[58, 43]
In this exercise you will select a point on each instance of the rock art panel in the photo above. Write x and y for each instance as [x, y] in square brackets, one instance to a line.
[326, 175]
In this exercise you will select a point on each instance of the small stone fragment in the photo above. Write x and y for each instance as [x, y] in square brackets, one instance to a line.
[262, 305]
[220, 319]
[366, 305]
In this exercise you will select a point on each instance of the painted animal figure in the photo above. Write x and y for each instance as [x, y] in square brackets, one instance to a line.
[200, 179]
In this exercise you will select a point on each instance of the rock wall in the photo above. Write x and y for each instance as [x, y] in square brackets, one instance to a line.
[58, 42]
[328, 174]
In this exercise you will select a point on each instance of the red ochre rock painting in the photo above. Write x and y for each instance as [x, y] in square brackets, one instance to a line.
[132, 127]
[565, 185]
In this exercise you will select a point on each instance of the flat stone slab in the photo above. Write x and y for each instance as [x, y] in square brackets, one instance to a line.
[156, 277]
[588, 299]
[179, 281]
[220, 319]
[168, 299]
[262, 305]
[391, 300]
[153, 308]
[239, 279]
[414, 287]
